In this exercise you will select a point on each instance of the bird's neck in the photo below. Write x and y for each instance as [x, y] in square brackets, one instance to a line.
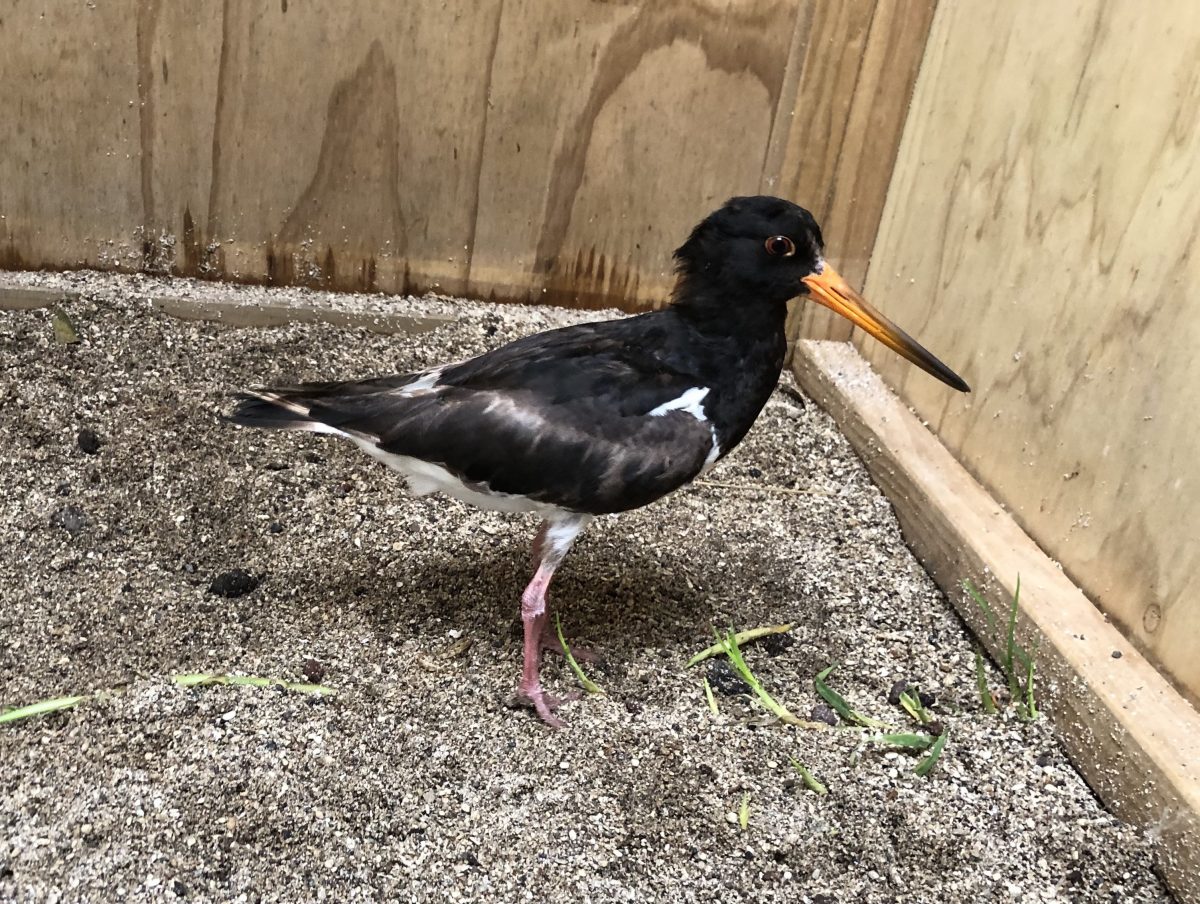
[739, 351]
[711, 312]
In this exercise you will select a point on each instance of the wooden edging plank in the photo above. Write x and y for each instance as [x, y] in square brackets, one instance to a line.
[15, 298]
[1133, 737]
[349, 312]
[343, 313]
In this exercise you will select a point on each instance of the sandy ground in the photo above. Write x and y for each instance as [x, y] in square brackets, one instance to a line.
[419, 780]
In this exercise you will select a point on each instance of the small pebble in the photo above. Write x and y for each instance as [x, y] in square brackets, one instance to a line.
[70, 518]
[234, 583]
[725, 681]
[823, 713]
[313, 670]
[88, 441]
[777, 644]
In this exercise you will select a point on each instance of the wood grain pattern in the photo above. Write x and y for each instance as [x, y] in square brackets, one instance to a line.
[847, 129]
[1133, 737]
[532, 150]
[1040, 235]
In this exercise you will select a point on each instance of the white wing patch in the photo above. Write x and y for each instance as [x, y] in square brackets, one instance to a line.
[421, 384]
[689, 402]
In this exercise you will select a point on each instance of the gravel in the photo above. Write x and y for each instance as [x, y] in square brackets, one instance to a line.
[141, 536]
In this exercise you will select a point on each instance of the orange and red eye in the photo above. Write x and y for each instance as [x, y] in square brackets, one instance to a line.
[780, 246]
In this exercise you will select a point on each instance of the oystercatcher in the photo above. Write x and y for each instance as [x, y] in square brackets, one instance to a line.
[600, 417]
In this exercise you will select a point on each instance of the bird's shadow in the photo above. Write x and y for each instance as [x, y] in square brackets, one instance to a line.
[614, 598]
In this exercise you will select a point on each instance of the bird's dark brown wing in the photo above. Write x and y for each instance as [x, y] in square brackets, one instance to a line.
[563, 418]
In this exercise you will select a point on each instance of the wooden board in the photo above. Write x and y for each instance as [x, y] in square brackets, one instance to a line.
[543, 150]
[843, 142]
[1041, 236]
[1130, 733]
[346, 311]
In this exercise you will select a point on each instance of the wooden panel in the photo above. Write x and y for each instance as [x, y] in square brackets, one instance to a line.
[1040, 235]
[861, 62]
[69, 145]
[337, 150]
[1134, 738]
[553, 150]
[634, 122]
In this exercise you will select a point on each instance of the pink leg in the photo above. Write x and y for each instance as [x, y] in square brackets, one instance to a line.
[533, 614]
[549, 548]
[549, 635]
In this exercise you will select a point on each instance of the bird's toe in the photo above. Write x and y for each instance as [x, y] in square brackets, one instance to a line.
[543, 703]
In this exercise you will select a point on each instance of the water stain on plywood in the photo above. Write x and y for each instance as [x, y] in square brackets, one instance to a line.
[354, 194]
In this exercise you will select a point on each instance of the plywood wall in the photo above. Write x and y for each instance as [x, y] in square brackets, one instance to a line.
[1041, 235]
[552, 150]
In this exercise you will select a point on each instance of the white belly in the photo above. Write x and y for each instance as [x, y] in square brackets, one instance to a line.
[425, 477]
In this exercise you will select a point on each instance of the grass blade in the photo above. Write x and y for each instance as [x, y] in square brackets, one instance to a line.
[839, 704]
[810, 781]
[1014, 684]
[1027, 706]
[927, 763]
[985, 695]
[744, 812]
[983, 605]
[911, 702]
[199, 679]
[41, 708]
[741, 637]
[729, 644]
[584, 681]
[905, 740]
[712, 701]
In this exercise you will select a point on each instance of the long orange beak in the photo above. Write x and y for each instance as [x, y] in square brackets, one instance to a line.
[829, 289]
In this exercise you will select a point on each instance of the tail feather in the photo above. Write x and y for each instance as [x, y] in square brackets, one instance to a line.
[275, 411]
[343, 408]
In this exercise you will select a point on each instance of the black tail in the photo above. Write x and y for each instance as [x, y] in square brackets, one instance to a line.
[270, 411]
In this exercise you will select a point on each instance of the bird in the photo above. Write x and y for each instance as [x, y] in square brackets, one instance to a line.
[605, 417]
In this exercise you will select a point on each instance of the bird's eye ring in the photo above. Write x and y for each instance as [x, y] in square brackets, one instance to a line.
[780, 246]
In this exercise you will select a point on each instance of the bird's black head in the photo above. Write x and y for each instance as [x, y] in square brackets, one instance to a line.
[750, 251]
[747, 259]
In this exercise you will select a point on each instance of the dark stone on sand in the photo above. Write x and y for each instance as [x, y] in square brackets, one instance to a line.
[897, 689]
[725, 681]
[70, 518]
[233, 583]
[88, 441]
[313, 671]
[777, 644]
[823, 713]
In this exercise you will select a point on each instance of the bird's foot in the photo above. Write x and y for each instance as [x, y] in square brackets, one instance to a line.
[534, 695]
